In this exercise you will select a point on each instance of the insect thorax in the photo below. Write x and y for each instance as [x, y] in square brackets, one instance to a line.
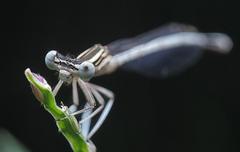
[99, 56]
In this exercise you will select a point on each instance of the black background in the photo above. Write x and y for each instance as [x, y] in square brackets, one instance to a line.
[195, 111]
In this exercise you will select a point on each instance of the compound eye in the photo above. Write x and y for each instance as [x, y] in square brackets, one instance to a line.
[86, 70]
[49, 60]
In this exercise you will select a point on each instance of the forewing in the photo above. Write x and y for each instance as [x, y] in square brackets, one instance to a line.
[161, 63]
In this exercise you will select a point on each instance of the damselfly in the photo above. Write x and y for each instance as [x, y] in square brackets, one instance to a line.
[159, 53]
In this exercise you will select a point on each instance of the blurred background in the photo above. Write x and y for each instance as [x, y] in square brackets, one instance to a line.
[195, 111]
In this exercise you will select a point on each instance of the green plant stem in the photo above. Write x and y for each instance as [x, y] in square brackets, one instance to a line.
[66, 123]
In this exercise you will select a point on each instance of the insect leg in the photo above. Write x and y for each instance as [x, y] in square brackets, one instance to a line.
[101, 101]
[92, 114]
[57, 87]
[73, 107]
[75, 92]
[90, 99]
[91, 146]
[96, 89]
[90, 102]
[85, 127]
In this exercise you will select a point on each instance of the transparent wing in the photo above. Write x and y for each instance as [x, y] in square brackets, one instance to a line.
[166, 50]
[165, 64]
[121, 45]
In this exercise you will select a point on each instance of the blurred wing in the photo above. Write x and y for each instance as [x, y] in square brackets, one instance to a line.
[121, 45]
[164, 64]
[166, 50]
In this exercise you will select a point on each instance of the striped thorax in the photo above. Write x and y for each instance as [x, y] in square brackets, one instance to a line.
[90, 63]
[99, 56]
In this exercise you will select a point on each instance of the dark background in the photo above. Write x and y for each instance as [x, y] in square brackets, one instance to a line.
[196, 111]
